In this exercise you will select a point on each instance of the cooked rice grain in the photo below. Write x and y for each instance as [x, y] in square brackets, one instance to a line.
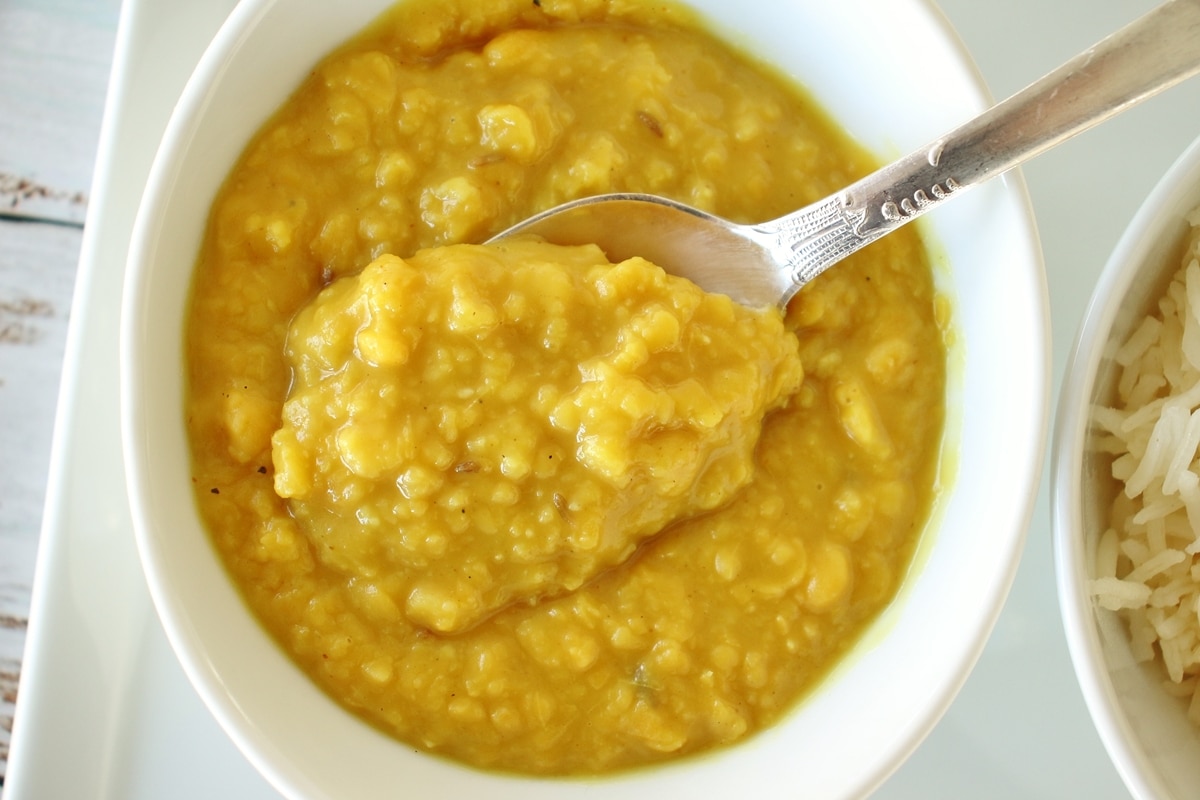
[1146, 565]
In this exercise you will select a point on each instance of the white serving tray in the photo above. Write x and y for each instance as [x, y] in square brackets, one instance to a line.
[105, 710]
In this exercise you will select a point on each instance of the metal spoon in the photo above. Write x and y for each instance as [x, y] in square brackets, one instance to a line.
[767, 263]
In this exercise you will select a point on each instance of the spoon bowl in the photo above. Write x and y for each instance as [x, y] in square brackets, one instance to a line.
[765, 264]
[712, 252]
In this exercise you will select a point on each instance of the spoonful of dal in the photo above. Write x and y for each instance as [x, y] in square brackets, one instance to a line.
[765, 264]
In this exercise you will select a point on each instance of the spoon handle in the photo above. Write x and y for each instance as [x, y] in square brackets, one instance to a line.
[1150, 54]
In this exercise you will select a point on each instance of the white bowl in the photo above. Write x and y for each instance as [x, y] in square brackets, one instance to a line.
[1155, 748]
[896, 77]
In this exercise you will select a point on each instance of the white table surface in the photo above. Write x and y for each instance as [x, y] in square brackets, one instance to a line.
[1018, 729]
[54, 67]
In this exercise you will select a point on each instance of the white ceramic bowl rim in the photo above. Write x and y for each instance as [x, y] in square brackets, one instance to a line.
[1158, 223]
[897, 682]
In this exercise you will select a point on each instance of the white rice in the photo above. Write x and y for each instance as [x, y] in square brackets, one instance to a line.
[1148, 562]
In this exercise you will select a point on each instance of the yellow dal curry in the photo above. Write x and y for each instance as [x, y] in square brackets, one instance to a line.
[502, 424]
[436, 472]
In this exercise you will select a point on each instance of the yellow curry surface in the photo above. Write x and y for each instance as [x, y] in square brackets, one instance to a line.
[436, 472]
[478, 426]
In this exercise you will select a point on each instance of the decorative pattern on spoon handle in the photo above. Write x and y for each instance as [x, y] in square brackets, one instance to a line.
[812, 240]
